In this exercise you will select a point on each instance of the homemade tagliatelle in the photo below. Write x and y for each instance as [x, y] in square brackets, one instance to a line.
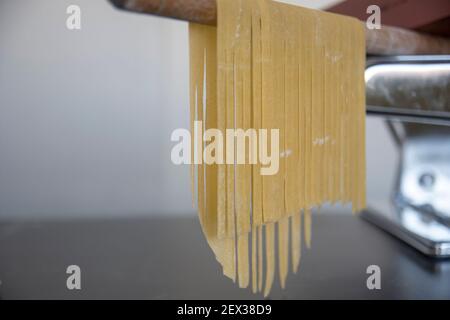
[269, 65]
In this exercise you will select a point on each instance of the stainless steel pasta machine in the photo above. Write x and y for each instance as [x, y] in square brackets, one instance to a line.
[412, 94]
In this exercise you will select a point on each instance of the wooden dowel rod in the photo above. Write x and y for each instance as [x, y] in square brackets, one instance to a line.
[386, 41]
[199, 11]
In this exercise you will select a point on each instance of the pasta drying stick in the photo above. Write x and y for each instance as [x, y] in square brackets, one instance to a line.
[385, 41]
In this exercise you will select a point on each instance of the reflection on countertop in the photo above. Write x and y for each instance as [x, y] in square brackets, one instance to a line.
[159, 258]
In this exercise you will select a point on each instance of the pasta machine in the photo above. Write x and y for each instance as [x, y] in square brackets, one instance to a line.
[412, 94]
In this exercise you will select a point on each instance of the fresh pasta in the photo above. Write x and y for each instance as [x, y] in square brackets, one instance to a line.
[269, 65]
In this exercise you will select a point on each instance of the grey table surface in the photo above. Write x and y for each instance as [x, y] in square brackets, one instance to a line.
[169, 259]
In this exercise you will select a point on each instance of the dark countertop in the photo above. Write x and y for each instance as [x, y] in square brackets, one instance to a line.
[169, 258]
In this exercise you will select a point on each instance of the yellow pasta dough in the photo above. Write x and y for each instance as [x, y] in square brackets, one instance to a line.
[269, 65]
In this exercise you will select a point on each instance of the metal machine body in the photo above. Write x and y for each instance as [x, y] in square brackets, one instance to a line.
[413, 94]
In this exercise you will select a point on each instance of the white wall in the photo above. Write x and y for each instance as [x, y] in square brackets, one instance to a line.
[86, 116]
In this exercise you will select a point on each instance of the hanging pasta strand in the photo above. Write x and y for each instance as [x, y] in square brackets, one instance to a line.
[291, 80]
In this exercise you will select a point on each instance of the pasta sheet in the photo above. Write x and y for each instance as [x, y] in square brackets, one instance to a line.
[269, 65]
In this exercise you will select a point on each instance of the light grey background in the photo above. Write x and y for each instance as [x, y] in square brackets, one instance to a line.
[86, 116]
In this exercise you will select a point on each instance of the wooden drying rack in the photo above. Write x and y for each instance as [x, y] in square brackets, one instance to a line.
[385, 41]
